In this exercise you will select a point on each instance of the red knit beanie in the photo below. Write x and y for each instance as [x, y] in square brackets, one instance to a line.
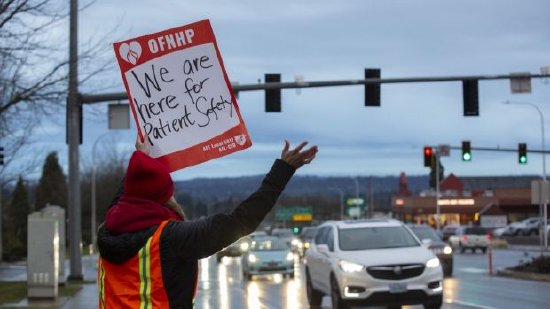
[147, 179]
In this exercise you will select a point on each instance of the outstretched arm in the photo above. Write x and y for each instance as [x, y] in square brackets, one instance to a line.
[201, 238]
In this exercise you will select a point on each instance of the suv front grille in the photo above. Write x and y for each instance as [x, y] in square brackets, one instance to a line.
[396, 272]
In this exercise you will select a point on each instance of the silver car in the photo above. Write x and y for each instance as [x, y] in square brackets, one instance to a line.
[268, 255]
[371, 263]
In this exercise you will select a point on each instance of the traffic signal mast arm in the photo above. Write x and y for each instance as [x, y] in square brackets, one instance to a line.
[501, 149]
[97, 98]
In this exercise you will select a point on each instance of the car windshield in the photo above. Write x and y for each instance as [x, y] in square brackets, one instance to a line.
[425, 233]
[477, 230]
[309, 232]
[268, 245]
[376, 238]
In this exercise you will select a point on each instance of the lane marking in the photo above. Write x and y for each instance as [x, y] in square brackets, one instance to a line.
[463, 303]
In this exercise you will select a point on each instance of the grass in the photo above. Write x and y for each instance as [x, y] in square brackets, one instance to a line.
[13, 292]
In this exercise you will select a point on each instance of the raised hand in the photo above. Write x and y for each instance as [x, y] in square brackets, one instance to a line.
[298, 157]
[143, 146]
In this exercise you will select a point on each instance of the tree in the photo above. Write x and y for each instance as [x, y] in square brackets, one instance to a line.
[34, 72]
[52, 188]
[16, 225]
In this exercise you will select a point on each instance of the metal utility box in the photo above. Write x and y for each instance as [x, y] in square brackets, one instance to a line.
[58, 213]
[43, 256]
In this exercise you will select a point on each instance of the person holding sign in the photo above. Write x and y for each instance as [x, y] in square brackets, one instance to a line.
[149, 253]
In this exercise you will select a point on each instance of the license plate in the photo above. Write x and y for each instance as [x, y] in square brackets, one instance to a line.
[272, 264]
[398, 287]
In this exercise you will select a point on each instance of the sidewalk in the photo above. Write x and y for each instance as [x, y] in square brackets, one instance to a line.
[83, 299]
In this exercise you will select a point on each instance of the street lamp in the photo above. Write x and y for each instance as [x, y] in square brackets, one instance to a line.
[341, 201]
[93, 202]
[542, 210]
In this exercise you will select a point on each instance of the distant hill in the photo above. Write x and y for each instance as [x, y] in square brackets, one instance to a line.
[382, 188]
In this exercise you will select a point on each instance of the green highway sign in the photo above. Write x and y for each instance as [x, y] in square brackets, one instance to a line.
[290, 213]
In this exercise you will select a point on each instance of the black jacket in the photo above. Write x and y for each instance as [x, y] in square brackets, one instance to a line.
[182, 243]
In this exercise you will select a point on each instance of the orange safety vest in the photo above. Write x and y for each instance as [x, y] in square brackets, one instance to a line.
[136, 283]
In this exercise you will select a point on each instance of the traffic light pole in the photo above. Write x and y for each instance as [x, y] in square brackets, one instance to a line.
[97, 98]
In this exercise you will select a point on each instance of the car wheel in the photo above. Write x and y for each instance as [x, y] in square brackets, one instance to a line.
[484, 250]
[337, 301]
[474, 250]
[314, 297]
[462, 249]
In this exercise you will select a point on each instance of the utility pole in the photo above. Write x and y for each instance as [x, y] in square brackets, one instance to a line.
[73, 132]
[437, 207]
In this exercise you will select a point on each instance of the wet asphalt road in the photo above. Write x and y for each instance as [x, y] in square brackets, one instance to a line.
[222, 286]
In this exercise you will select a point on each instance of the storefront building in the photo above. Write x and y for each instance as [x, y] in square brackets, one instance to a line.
[468, 200]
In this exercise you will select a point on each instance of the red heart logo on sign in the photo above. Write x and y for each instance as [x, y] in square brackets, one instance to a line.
[130, 52]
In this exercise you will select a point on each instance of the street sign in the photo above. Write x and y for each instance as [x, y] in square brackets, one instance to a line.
[302, 217]
[355, 201]
[119, 116]
[520, 83]
[354, 212]
[288, 213]
[444, 150]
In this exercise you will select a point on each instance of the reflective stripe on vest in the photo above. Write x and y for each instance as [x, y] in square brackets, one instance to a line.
[136, 283]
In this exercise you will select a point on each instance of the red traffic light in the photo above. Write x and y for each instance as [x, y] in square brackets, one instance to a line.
[428, 156]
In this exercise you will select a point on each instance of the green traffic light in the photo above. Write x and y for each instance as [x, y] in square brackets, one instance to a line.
[523, 160]
[296, 230]
[466, 156]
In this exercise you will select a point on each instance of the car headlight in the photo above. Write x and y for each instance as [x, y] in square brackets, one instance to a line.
[447, 250]
[296, 242]
[290, 256]
[350, 267]
[432, 263]
[306, 245]
[244, 246]
[252, 258]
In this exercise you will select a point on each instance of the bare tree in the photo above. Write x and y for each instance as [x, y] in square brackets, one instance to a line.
[34, 72]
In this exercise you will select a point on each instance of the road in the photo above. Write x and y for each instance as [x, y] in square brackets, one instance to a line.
[222, 286]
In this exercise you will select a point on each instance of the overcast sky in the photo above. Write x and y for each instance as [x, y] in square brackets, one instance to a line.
[337, 40]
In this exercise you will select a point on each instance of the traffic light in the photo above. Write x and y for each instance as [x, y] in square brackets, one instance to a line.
[470, 97]
[372, 91]
[428, 156]
[273, 96]
[296, 230]
[476, 216]
[1, 155]
[466, 151]
[522, 153]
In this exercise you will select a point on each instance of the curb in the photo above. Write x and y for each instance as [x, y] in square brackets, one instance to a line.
[523, 275]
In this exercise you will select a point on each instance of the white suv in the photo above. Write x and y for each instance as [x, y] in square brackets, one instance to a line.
[371, 262]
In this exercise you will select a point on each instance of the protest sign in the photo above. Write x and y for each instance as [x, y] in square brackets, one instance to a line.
[180, 95]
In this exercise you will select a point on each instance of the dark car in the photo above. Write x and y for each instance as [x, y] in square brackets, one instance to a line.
[307, 235]
[441, 249]
[235, 249]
